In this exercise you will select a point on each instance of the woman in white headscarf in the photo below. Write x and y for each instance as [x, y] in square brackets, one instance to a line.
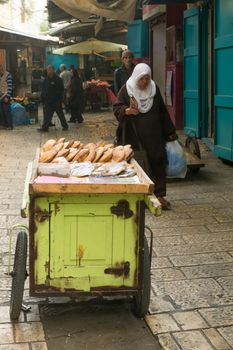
[141, 113]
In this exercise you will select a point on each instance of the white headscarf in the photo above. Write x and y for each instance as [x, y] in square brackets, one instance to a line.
[144, 97]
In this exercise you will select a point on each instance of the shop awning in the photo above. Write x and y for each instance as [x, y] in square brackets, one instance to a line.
[89, 47]
[11, 37]
[114, 9]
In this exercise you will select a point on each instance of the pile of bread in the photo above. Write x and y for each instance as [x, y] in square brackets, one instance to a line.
[75, 151]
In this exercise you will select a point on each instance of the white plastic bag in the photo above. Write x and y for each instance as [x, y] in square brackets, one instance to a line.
[177, 163]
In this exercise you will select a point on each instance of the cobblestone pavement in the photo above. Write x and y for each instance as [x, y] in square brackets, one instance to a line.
[192, 267]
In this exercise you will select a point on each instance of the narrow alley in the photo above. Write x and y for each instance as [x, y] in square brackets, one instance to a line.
[192, 267]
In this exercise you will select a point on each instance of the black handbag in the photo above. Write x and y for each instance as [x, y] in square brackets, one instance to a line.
[140, 155]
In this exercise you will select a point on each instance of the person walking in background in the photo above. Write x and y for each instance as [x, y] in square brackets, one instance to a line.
[65, 75]
[6, 88]
[75, 97]
[52, 98]
[142, 114]
[122, 74]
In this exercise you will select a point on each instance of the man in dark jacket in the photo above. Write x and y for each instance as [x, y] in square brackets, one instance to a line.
[122, 74]
[5, 95]
[52, 97]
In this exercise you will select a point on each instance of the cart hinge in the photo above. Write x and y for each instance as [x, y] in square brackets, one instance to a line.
[41, 215]
[122, 269]
[122, 209]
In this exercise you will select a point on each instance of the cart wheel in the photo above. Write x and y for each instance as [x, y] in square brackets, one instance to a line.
[19, 275]
[193, 146]
[142, 300]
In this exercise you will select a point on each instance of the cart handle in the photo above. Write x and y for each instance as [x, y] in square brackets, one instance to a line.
[14, 227]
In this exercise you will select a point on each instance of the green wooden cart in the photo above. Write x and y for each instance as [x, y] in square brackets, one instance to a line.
[86, 239]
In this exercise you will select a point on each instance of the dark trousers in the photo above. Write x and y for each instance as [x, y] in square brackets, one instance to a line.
[5, 114]
[49, 109]
[76, 113]
[159, 178]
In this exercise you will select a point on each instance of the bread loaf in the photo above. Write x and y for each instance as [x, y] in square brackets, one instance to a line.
[71, 155]
[61, 140]
[83, 153]
[128, 153]
[91, 155]
[107, 156]
[58, 146]
[63, 152]
[99, 153]
[76, 144]
[48, 145]
[118, 155]
[109, 145]
[46, 157]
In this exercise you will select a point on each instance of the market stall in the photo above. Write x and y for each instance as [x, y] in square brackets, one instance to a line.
[99, 94]
[86, 225]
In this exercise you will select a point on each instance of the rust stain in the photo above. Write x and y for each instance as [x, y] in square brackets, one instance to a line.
[41, 215]
[46, 265]
[57, 208]
[81, 251]
[122, 209]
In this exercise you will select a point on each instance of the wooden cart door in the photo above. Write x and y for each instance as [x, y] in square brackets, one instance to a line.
[89, 246]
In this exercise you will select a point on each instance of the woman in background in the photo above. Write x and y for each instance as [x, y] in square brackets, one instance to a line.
[75, 97]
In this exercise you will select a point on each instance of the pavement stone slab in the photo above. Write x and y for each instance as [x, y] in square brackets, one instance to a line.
[168, 240]
[226, 283]
[215, 270]
[166, 274]
[28, 332]
[5, 315]
[201, 259]
[208, 237]
[159, 304]
[218, 316]
[6, 333]
[161, 323]
[216, 339]
[158, 263]
[167, 342]
[39, 346]
[14, 347]
[227, 333]
[189, 320]
[192, 340]
[192, 294]
[182, 249]
[220, 227]
[177, 231]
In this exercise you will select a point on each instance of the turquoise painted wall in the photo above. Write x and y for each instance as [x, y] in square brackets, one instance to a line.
[56, 60]
[138, 38]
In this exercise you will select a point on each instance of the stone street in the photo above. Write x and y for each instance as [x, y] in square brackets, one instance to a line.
[192, 266]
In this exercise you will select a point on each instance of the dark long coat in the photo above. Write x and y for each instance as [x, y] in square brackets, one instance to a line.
[153, 129]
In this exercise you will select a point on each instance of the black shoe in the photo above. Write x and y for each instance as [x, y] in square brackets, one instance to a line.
[51, 124]
[65, 128]
[71, 121]
[80, 121]
[42, 130]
